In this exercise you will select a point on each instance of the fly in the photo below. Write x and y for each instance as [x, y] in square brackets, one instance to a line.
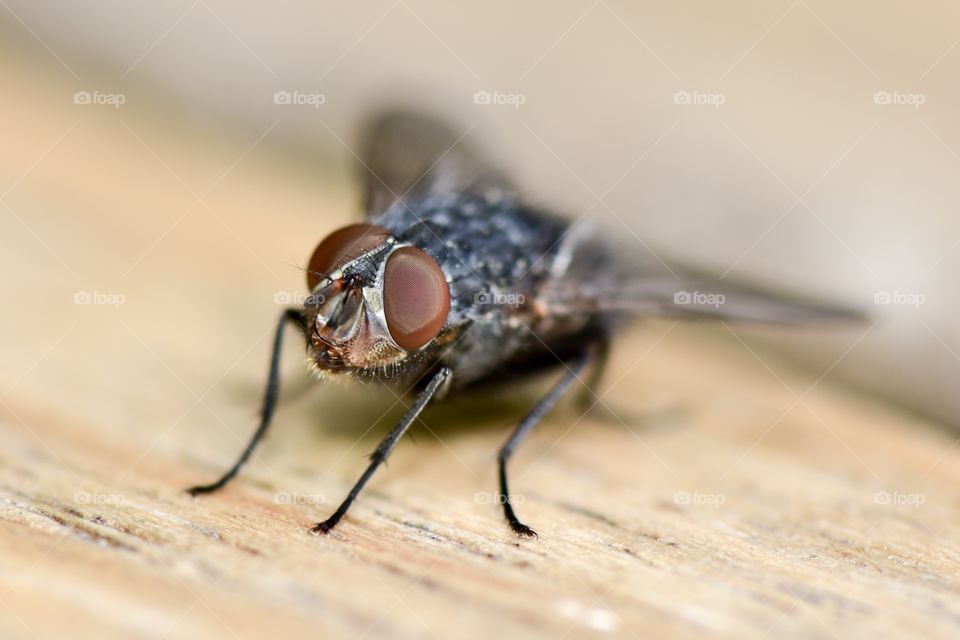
[453, 280]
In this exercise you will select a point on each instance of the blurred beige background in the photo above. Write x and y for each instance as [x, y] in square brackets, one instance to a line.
[807, 144]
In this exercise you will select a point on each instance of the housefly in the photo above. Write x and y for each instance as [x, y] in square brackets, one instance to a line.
[453, 280]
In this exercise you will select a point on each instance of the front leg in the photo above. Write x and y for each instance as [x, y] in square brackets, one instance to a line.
[268, 406]
[440, 380]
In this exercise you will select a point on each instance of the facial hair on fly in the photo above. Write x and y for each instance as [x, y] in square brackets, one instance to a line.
[454, 281]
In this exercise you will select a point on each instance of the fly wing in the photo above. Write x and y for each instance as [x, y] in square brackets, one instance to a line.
[599, 279]
[407, 156]
[707, 298]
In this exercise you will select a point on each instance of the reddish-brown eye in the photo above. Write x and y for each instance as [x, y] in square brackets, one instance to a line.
[416, 298]
[340, 247]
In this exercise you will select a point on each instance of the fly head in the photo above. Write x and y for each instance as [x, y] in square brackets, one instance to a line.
[376, 304]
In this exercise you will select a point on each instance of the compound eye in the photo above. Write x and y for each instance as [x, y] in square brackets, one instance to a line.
[342, 246]
[416, 299]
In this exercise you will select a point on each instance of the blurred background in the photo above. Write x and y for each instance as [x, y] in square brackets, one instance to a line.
[165, 167]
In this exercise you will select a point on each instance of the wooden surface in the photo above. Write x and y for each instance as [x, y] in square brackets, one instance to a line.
[714, 490]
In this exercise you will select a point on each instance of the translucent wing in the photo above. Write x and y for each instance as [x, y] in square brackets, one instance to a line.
[407, 156]
[598, 278]
[709, 299]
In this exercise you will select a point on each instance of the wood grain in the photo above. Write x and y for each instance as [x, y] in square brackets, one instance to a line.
[713, 489]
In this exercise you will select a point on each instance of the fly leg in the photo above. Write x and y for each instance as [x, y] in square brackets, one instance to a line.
[269, 405]
[525, 426]
[437, 384]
